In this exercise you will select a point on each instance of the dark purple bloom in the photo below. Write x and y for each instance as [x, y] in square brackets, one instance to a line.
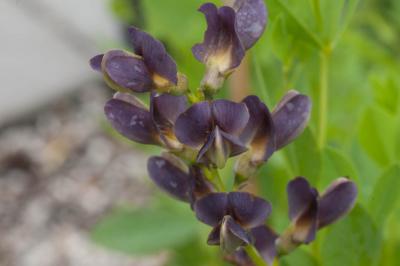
[266, 133]
[232, 216]
[150, 67]
[132, 119]
[173, 176]
[291, 117]
[251, 19]
[230, 32]
[221, 50]
[213, 129]
[264, 241]
[309, 212]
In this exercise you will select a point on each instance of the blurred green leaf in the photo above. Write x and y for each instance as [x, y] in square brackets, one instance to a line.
[354, 241]
[377, 135]
[147, 230]
[386, 93]
[335, 164]
[385, 195]
[298, 258]
[304, 157]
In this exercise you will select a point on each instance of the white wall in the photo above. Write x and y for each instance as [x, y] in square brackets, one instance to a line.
[44, 49]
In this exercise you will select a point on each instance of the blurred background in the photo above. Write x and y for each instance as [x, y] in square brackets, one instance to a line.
[74, 193]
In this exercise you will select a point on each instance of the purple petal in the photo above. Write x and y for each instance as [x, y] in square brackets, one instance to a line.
[248, 210]
[232, 235]
[127, 71]
[305, 226]
[200, 185]
[156, 58]
[133, 122]
[338, 200]
[300, 196]
[95, 62]
[218, 148]
[211, 208]
[169, 178]
[251, 19]
[221, 47]
[214, 236]
[165, 109]
[231, 117]
[259, 131]
[236, 147]
[291, 117]
[194, 125]
[265, 242]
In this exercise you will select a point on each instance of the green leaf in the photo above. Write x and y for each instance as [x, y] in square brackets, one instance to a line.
[299, 257]
[335, 164]
[386, 93]
[145, 231]
[299, 29]
[304, 157]
[354, 241]
[385, 195]
[377, 135]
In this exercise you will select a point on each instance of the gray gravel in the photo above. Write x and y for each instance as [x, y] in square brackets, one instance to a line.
[59, 174]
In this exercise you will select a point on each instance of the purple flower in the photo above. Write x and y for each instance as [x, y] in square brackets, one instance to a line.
[149, 67]
[232, 216]
[176, 178]
[266, 133]
[213, 129]
[264, 241]
[134, 120]
[309, 212]
[230, 32]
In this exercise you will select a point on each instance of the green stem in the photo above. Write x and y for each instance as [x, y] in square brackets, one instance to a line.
[255, 256]
[317, 11]
[317, 42]
[218, 179]
[323, 97]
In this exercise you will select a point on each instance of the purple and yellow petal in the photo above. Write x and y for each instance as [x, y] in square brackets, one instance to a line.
[338, 200]
[291, 117]
[162, 67]
[132, 121]
[221, 48]
[259, 132]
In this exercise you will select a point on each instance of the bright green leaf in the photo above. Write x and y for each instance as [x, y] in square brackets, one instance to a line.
[145, 231]
[355, 241]
[385, 195]
[377, 135]
[335, 164]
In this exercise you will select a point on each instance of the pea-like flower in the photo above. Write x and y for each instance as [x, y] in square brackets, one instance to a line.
[213, 127]
[183, 182]
[268, 132]
[149, 67]
[230, 32]
[309, 212]
[264, 242]
[232, 216]
[131, 118]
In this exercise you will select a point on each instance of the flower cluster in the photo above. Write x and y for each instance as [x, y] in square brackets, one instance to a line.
[199, 134]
